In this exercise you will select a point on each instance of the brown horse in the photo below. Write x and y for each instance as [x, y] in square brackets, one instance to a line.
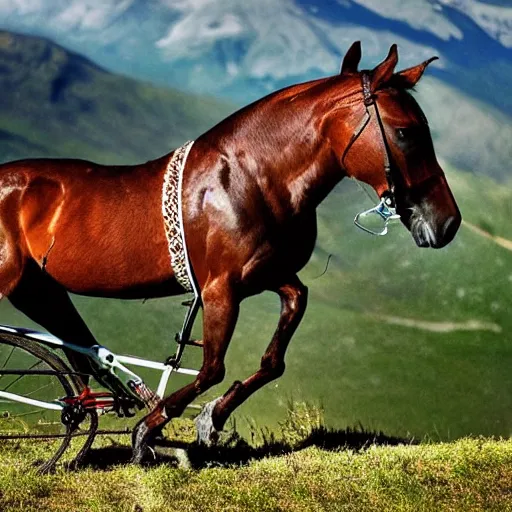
[251, 187]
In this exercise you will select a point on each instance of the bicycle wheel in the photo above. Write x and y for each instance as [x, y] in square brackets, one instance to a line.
[29, 433]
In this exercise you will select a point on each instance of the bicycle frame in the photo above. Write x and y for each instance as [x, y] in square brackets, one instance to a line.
[109, 361]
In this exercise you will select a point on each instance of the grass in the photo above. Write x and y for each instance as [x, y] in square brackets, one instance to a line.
[398, 379]
[309, 468]
[403, 381]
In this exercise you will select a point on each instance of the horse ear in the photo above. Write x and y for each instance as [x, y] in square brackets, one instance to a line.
[409, 77]
[384, 71]
[352, 59]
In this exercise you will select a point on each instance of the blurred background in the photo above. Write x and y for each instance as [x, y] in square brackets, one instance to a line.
[407, 341]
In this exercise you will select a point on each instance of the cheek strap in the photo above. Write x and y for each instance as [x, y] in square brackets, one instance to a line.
[371, 106]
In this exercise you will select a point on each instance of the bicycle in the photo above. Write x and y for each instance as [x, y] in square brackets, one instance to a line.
[37, 384]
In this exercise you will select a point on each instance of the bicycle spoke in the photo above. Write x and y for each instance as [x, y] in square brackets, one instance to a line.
[35, 372]
[7, 360]
[21, 376]
[39, 389]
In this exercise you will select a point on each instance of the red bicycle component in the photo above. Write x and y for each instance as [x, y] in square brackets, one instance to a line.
[91, 400]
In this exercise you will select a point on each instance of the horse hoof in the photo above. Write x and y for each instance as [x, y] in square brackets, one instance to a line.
[143, 454]
[207, 434]
[141, 450]
[138, 457]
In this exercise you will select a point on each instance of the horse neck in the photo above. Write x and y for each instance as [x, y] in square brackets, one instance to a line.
[282, 143]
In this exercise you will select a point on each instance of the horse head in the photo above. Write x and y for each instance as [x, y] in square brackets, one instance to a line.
[390, 147]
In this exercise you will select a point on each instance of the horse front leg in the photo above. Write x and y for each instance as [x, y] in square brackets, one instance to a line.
[220, 314]
[293, 296]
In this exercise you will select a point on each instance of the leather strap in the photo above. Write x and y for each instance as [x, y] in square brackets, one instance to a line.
[371, 107]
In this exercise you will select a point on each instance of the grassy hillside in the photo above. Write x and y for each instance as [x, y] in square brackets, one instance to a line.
[57, 103]
[468, 475]
[405, 340]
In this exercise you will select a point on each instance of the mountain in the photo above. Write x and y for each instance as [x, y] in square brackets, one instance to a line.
[55, 102]
[468, 133]
[243, 50]
[397, 338]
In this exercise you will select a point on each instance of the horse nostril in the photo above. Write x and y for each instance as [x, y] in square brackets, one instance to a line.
[451, 226]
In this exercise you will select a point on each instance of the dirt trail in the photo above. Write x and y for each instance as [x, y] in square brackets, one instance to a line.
[502, 242]
[441, 327]
[446, 327]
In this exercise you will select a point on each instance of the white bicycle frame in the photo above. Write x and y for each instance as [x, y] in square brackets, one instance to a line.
[109, 361]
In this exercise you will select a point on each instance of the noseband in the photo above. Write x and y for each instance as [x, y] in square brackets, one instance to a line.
[386, 209]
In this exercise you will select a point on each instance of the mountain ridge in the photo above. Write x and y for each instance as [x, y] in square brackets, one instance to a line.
[59, 103]
[377, 369]
[236, 49]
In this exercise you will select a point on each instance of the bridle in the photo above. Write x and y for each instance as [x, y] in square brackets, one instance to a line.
[386, 209]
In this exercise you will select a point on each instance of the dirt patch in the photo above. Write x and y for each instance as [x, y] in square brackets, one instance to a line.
[499, 240]
[441, 327]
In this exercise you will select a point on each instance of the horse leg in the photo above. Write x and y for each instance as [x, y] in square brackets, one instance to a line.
[35, 293]
[220, 313]
[47, 303]
[293, 296]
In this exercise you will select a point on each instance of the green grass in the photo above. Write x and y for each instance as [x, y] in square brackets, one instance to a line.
[467, 475]
[306, 466]
[406, 382]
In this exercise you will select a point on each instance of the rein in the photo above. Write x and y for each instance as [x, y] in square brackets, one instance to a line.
[386, 209]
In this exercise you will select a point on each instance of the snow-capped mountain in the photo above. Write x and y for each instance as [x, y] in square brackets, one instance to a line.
[269, 39]
[244, 48]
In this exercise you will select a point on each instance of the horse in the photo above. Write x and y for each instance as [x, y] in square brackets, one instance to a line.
[250, 189]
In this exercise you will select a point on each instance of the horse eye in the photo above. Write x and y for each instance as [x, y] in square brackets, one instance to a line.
[400, 133]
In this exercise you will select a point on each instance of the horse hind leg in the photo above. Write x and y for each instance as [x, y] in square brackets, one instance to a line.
[28, 287]
[220, 313]
[47, 303]
[293, 305]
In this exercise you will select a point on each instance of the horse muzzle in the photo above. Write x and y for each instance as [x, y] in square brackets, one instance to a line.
[430, 213]
[434, 234]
